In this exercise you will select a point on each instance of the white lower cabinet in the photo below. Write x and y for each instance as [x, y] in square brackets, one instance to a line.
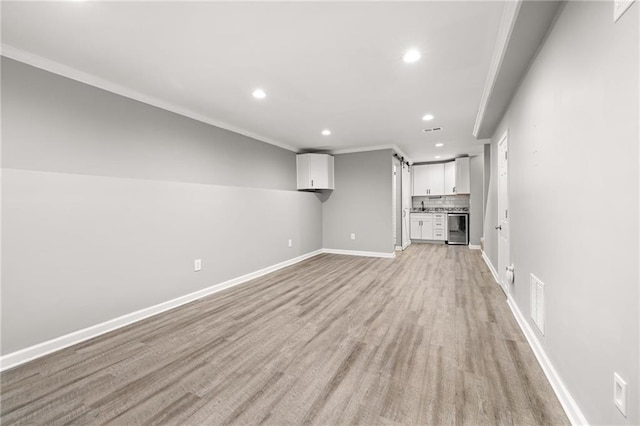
[421, 226]
[415, 233]
[428, 226]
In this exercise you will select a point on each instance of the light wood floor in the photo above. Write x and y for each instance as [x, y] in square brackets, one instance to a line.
[425, 338]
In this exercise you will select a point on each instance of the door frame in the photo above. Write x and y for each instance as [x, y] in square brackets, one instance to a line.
[405, 203]
[504, 219]
[394, 207]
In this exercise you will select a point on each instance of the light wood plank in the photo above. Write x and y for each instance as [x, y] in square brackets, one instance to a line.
[425, 338]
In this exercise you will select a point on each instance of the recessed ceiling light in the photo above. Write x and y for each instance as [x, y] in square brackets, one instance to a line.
[259, 94]
[326, 132]
[411, 55]
[438, 145]
[437, 156]
[427, 117]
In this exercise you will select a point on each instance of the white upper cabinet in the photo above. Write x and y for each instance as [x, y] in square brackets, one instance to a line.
[450, 178]
[435, 180]
[419, 180]
[428, 179]
[315, 171]
[463, 181]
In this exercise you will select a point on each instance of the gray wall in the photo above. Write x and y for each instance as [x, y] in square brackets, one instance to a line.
[573, 188]
[476, 169]
[360, 203]
[106, 202]
[55, 124]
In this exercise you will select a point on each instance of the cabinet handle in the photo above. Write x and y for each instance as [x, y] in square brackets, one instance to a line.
[454, 189]
[311, 182]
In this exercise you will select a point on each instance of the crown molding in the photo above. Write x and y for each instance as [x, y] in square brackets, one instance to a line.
[92, 80]
[523, 29]
[507, 23]
[371, 148]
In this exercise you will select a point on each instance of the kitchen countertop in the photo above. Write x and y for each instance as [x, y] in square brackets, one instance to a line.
[441, 210]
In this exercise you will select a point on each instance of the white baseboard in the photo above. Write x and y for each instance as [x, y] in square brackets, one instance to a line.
[36, 351]
[360, 253]
[570, 406]
[474, 246]
[407, 244]
[397, 248]
[491, 268]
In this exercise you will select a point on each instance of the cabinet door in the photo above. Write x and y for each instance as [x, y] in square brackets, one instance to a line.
[419, 179]
[315, 171]
[427, 229]
[450, 178]
[435, 179]
[463, 184]
[318, 167]
[416, 229]
[302, 164]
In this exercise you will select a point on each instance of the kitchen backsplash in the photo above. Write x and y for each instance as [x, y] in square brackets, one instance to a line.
[442, 201]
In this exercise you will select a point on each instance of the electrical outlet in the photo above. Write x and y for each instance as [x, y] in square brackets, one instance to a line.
[290, 243]
[620, 7]
[620, 394]
[197, 265]
[353, 236]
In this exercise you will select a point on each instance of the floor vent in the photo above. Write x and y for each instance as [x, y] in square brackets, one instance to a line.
[537, 302]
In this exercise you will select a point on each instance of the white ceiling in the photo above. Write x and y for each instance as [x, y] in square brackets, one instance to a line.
[335, 65]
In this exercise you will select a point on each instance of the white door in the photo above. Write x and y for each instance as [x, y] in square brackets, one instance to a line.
[503, 212]
[406, 205]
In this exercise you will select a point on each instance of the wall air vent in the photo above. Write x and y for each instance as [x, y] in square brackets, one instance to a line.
[432, 129]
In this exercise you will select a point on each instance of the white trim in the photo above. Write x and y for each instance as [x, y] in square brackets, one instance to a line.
[569, 404]
[95, 81]
[36, 351]
[360, 253]
[371, 148]
[398, 248]
[92, 80]
[507, 24]
[491, 268]
[404, 247]
[474, 246]
[401, 153]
